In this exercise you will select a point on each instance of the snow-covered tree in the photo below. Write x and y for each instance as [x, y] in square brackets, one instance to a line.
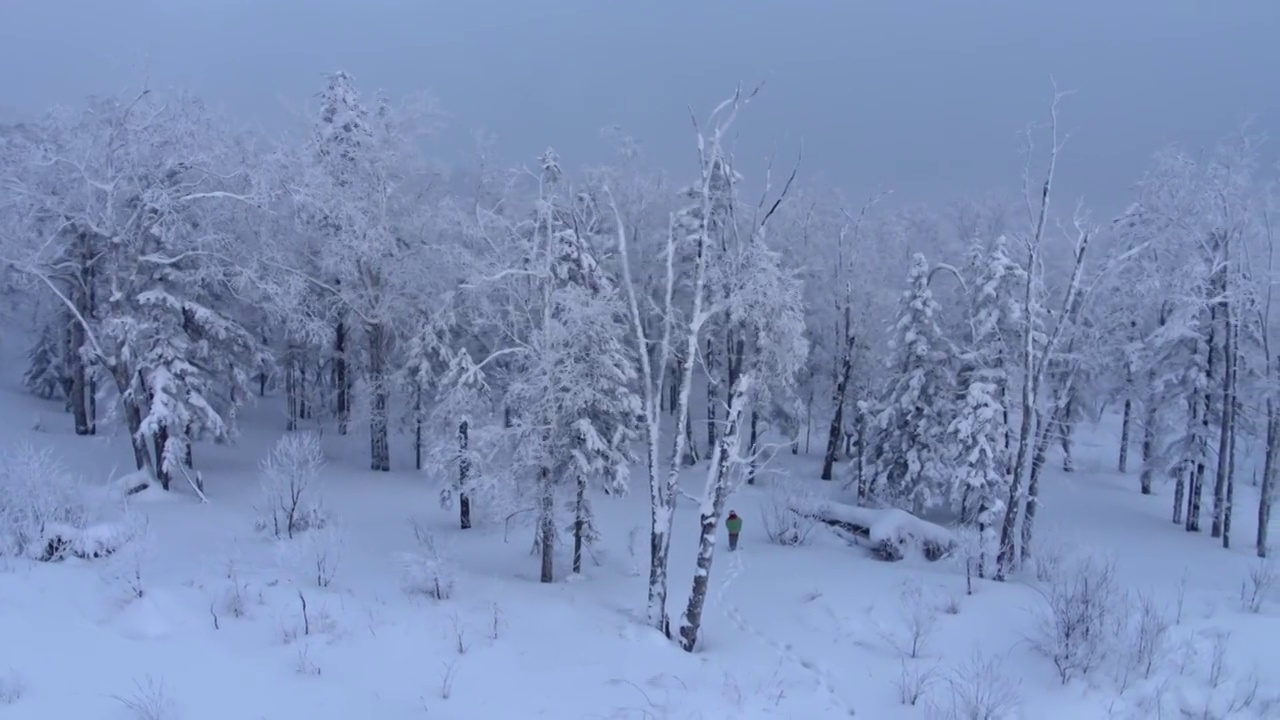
[569, 375]
[356, 188]
[147, 185]
[757, 303]
[913, 412]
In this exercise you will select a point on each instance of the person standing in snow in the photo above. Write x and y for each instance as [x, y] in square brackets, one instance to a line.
[734, 525]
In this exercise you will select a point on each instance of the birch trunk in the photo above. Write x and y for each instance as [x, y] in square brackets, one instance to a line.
[714, 496]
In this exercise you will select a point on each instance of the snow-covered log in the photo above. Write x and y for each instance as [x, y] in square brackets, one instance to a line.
[891, 534]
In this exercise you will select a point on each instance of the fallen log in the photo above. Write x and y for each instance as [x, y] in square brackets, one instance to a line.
[889, 533]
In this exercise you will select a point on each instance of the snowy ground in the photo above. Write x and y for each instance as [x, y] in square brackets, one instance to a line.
[821, 631]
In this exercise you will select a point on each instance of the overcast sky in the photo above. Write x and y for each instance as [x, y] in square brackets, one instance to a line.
[922, 96]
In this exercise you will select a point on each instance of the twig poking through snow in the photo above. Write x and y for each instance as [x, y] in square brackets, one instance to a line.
[149, 701]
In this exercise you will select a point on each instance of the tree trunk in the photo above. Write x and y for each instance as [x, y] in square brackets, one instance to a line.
[162, 467]
[673, 389]
[1149, 421]
[417, 427]
[79, 383]
[1267, 489]
[1222, 476]
[304, 392]
[753, 447]
[579, 523]
[547, 524]
[129, 392]
[379, 443]
[1195, 492]
[1033, 481]
[1186, 471]
[341, 377]
[690, 445]
[716, 492]
[1066, 426]
[1013, 505]
[464, 475]
[1126, 420]
[291, 392]
[1231, 488]
[838, 399]
[710, 362]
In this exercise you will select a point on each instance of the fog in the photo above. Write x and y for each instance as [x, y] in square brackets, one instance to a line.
[925, 98]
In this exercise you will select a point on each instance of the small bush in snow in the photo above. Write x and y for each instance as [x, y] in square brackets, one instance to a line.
[918, 618]
[1258, 587]
[782, 524]
[1143, 635]
[12, 687]
[289, 474]
[979, 689]
[914, 682]
[323, 553]
[47, 516]
[149, 701]
[427, 571]
[1076, 620]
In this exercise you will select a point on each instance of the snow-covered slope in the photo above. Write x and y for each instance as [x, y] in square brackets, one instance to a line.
[205, 618]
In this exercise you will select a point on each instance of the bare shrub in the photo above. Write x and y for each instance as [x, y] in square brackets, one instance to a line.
[149, 701]
[978, 689]
[289, 473]
[127, 572]
[1258, 586]
[951, 605]
[446, 678]
[918, 617]
[1143, 640]
[1075, 620]
[914, 682]
[427, 571]
[323, 553]
[783, 525]
[304, 665]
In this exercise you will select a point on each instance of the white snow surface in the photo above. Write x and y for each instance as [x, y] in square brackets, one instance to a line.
[807, 632]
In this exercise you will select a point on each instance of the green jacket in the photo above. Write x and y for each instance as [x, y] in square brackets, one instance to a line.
[733, 525]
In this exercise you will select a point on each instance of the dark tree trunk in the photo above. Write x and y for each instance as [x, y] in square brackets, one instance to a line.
[162, 467]
[1033, 481]
[1066, 426]
[709, 359]
[838, 400]
[1231, 489]
[1222, 477]
[1126, 421]
[690, 444]
[291, 392]
[1195, 492]
[304, 392]
[379, 443]
[547, 524]
[1186, 471]
[341, 378]
[753, 465]
[579, 523]
[464, 476]
[1267, 488]
[417, 428]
